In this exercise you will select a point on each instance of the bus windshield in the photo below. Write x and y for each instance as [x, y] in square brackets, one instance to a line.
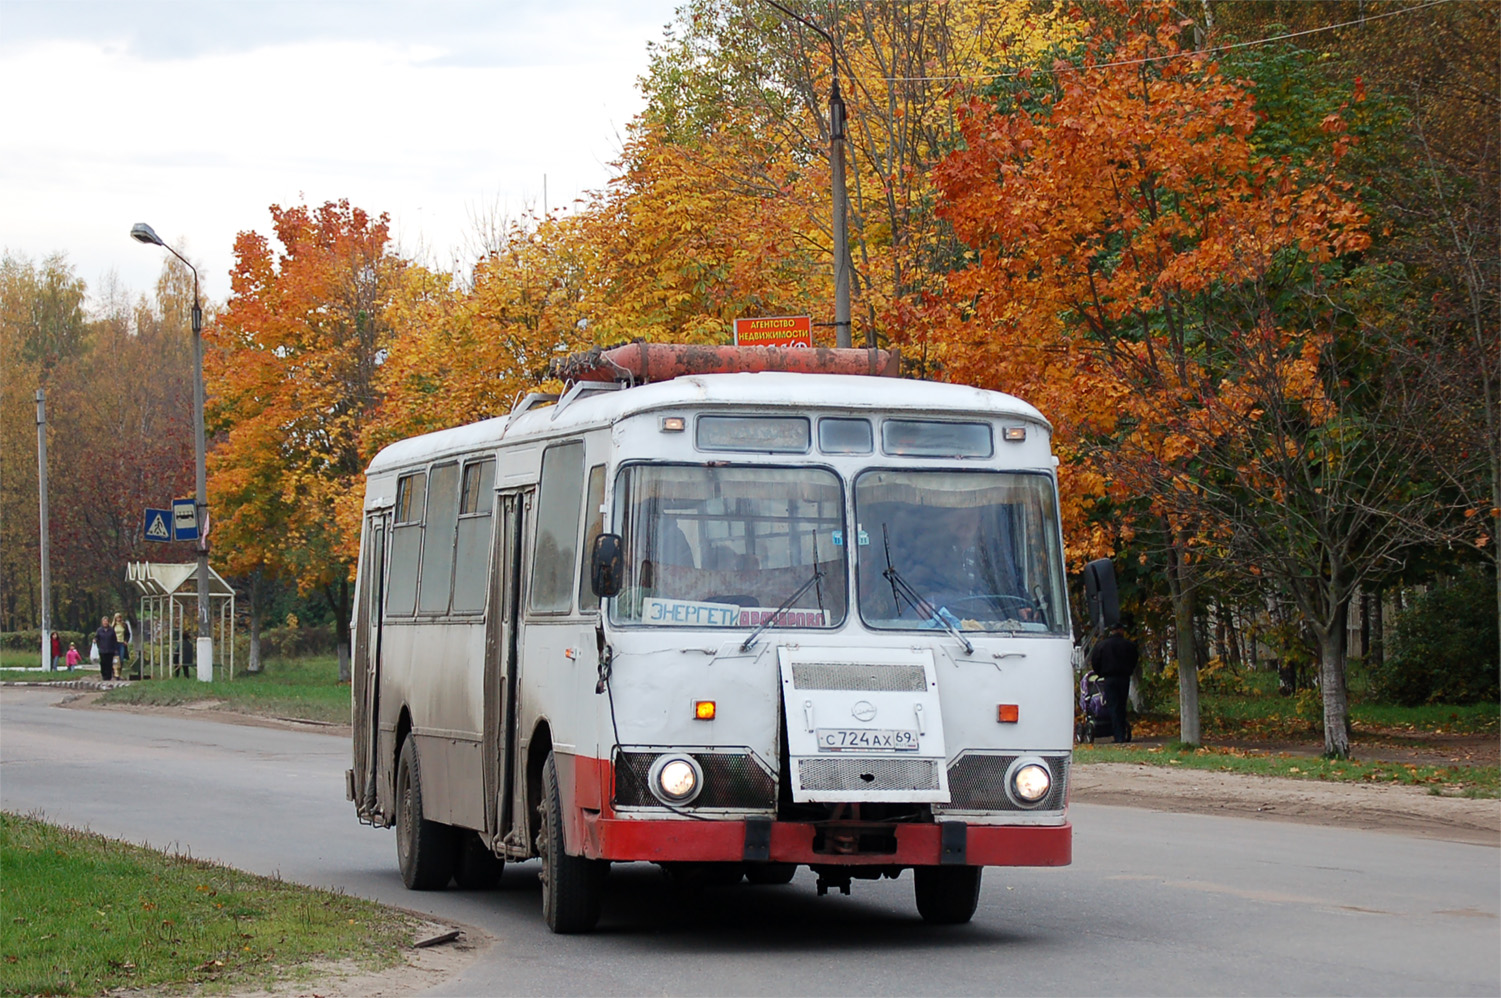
[728, 547]
[970, 550]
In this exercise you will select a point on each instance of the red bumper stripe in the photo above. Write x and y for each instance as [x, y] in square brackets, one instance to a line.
[792, 842]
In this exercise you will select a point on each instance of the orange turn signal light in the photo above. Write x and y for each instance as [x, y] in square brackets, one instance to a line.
[1008, 713]
[703, 710]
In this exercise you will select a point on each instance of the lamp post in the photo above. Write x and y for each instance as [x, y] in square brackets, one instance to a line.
[141, 232]
[836, 169]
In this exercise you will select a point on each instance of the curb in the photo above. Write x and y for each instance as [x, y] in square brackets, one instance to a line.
[70, 684]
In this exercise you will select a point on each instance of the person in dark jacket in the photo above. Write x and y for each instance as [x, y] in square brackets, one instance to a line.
[1114, 660]
[108, 645]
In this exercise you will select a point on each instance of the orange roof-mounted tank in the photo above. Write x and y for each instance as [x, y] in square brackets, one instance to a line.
[642, 362]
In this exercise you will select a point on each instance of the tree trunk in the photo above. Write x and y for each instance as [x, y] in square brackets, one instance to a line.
[1332, 685]
[1181, 588]
[1378, 637]
[338, 601]
[1189, 732]
[256, 597]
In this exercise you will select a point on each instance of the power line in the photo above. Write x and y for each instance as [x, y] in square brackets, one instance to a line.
[1165, 58]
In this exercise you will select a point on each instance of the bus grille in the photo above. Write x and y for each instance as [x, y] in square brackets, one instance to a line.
[868, 774]
[852, 676]
[731, 780]
[978, 783]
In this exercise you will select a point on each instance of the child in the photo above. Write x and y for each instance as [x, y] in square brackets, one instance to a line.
[73, 657]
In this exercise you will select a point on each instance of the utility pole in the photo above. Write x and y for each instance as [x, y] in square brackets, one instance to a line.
[41, 477]
[841, 199]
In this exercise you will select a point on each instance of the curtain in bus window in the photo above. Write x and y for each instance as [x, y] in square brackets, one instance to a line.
[437, 547]
[594, 525]
[406, 544]
[472, 562]
[559, 498]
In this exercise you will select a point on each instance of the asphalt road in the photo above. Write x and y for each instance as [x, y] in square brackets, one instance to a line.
[1154, 903]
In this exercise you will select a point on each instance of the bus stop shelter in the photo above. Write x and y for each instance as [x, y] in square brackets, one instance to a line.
[169, 599]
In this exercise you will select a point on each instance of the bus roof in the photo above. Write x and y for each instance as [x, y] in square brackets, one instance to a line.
[741, 391]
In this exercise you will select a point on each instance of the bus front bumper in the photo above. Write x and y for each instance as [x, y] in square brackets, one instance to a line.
[763, 840]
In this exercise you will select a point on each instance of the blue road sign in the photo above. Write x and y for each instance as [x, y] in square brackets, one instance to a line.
[184, 520]
[158, 524]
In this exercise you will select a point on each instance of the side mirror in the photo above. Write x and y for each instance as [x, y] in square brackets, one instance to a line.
[1100, 594]
[606, 565]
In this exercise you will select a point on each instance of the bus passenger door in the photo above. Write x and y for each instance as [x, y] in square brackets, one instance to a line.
[500, 666]
[366, 678]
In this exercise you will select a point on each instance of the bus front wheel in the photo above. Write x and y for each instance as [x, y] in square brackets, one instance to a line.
[424, 849]
[572, 887]
[947, 895]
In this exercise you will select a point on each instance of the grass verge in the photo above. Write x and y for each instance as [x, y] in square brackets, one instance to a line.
[307, 689]
[84, 915]
[1449, 781]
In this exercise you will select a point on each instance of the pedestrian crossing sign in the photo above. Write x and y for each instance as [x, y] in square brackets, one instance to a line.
[158, 525]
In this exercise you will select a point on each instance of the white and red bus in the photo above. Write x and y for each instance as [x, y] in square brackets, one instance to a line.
[729, 623]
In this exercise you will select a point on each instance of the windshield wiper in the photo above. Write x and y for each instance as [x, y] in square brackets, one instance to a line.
[901, 589]
[786, 605]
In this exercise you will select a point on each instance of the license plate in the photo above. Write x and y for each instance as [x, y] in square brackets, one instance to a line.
[866, 739]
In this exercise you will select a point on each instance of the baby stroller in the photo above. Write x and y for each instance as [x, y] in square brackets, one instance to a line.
[1095, 720]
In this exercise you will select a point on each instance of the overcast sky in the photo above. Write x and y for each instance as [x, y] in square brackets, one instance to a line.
[196, 115]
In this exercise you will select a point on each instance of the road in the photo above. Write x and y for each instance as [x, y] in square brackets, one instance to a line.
[1154, 904]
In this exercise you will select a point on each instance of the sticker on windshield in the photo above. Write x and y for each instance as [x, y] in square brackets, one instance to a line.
[693, 613]
[756, 616]
[689, 613]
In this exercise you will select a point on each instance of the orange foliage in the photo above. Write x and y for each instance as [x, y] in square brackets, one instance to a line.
[1115, 213]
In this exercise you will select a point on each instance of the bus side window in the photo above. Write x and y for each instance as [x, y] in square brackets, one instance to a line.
[476, 499]
[594, 525]
[559, 497]
[406, 544]
[437, 549]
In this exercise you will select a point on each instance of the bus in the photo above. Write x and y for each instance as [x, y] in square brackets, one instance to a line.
[729, 623]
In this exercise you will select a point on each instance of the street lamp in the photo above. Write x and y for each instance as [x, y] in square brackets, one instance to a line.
[141, 232]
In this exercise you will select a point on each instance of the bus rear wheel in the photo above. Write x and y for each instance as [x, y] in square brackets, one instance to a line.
[424, 849]
[947, 895]
[572, 887]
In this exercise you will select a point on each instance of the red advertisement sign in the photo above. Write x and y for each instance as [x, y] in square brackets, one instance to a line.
[774, 331]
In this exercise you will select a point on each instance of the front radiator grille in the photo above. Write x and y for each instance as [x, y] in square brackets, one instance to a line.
[867, 774]
[978, 783]
[731, 780]
[853, 676]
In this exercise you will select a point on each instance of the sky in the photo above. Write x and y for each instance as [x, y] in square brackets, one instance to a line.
[195, 116]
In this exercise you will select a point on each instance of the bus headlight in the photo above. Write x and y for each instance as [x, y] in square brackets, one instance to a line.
[675, 779]
[1028, 781]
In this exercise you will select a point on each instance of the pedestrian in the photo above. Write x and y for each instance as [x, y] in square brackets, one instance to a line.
[106, 640]
[57, 651]
[1114, 660]
[73, 657]
[122, 643]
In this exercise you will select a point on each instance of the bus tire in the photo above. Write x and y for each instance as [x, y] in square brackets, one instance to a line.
[572, 886]
[770, 874]
[947, 895]
[424, 849]
[476, 868]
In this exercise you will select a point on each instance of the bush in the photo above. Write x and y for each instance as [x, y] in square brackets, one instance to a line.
[1443, 647]
[289, 642]
[32, 640]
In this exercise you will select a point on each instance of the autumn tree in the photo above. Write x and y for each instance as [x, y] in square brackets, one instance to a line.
[119, 433]
[292, 366]
[1124, 228]
[734, 144]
